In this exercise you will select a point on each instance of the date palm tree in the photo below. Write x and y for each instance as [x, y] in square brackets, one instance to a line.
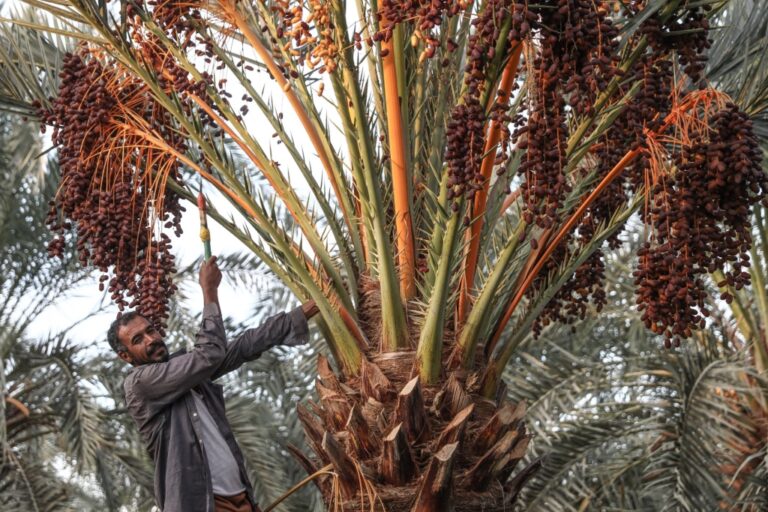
[428, 272]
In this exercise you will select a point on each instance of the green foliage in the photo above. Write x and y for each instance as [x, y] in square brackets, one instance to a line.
[622, 427]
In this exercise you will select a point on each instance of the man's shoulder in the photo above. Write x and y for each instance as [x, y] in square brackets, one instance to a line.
[130, 386]
[136, 372]
[130, 379]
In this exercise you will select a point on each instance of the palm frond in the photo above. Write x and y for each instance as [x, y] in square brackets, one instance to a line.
[30, 59]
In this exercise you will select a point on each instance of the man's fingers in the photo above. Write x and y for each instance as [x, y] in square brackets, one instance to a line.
[210, 262]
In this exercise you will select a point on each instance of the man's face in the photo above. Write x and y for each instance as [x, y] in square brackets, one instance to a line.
[142, 343]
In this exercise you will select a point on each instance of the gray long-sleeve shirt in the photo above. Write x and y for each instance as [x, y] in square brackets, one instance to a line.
[160, 401]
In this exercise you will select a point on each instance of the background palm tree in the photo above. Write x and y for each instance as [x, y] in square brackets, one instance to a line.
[623, 427]
[52, 425]
[366, 291]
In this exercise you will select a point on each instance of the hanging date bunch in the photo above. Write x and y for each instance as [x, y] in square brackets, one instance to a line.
[701, 223]
[686, 37]
[177, 18]
[179, 21]
[684, 40]
[466, 137]
[426, 16]
[576, 61]
[680, 42]
[577, 43]
[648, 108]
[115, 202]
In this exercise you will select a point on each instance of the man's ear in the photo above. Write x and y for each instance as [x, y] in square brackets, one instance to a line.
[125, 356]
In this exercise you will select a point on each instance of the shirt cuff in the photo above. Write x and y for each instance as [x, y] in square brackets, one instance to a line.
[299, 330]
[212, 316]
[211, 309]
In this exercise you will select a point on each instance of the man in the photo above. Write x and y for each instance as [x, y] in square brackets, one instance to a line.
[180, 411]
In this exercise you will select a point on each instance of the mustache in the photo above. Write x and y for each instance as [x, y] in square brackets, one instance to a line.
[155, 347]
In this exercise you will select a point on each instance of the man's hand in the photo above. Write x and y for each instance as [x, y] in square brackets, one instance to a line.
[210, 278]
[310, 309]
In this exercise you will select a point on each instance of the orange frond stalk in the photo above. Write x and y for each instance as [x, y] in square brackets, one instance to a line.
[534, 256]
[241, 143]
[481, 197]
[23, 409]
[403, 224]
[353, 327]
[229, 9]
[509, 200]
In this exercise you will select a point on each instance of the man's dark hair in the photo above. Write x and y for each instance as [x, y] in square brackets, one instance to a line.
[117, 324]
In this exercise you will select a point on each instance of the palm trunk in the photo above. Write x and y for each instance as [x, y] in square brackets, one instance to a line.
[397, 445]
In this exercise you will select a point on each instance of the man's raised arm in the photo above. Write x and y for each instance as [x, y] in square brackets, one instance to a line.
[159, 384]
[288, 329]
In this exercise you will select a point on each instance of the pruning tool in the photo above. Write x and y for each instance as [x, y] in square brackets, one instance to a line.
[205, 235]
